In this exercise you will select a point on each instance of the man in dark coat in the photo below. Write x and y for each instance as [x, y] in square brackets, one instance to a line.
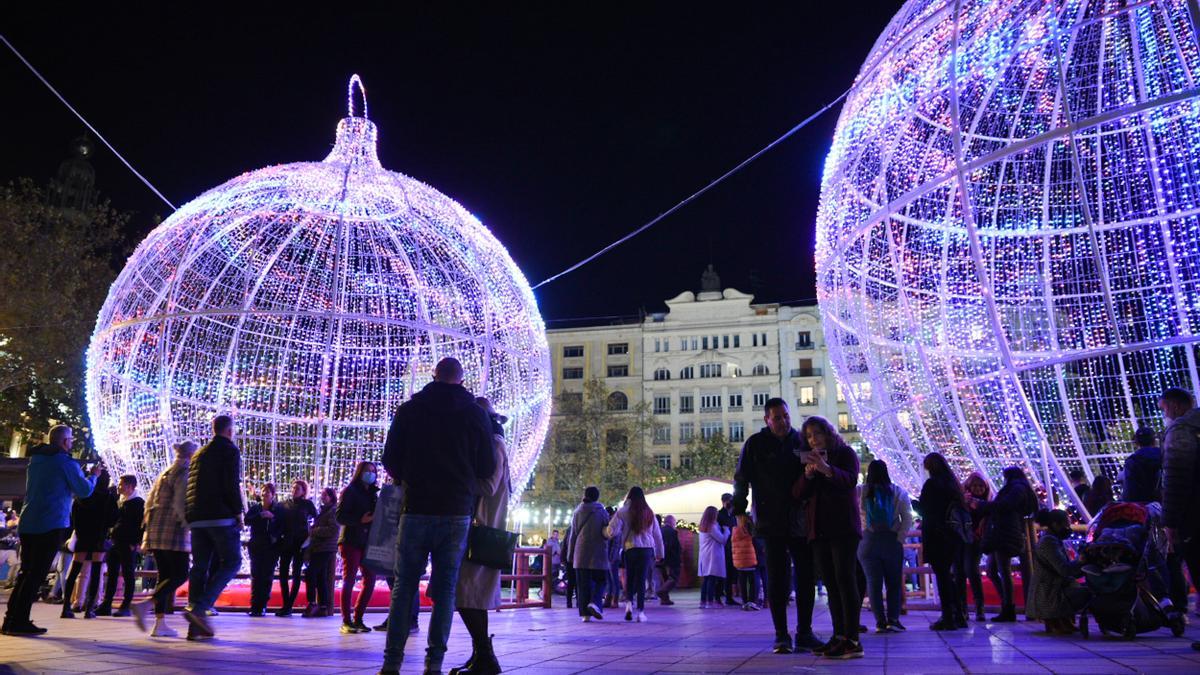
[1143, 469]
[215, 505]
[438, 449]
[769, 464]
[726, 519]
[1180, 476]
[672, 562]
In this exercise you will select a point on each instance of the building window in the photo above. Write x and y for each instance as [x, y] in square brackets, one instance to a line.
[618, 371]
[737, 432]
[686, 403]
[735, 402]
[572, 373]
[710, 403]
[657, 345]
[737, 341]
[710, 370]
[808, 396]
[804, 340]
[663, 462]
[754, 339]
[666, 345]
[618, 348]
[572, 351]
[761, 369]
[725, 342]
[844, 422]
[735, 371]
[683, 344]
[760, 400]
[687, 431]
[686, 373]
[571, 401]
[686, 462]
[841, 395]
[662, 374]
[570, 442]
[616, 440]
[662, 435]
[618, 401]
[705, 343]
[695, 343]
[662, 405]
[710, 429]
[764, 339]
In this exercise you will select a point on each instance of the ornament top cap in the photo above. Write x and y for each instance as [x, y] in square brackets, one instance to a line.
[357, 136]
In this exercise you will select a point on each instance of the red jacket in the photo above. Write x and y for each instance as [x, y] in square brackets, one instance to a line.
[832, 501]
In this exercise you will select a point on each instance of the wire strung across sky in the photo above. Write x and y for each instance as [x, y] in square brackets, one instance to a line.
[743, 164]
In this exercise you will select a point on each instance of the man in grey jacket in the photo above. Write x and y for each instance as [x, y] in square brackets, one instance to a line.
[1181, 473]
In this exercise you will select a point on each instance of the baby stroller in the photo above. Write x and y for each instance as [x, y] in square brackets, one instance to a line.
[1124, 566]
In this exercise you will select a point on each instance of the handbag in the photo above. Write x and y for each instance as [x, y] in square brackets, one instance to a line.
[490, 547]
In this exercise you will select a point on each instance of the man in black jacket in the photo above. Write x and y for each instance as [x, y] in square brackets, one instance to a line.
[771, 461]
[214, 513]
[672, 562]
[726, 519]
[438, 448]
[126, 536]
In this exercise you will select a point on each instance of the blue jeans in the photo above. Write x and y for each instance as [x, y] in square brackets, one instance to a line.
[419, 538]
[216, 557]
[882, 558]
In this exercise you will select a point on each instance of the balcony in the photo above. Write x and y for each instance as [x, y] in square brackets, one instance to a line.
[735, 408]
[686, 410]
[804, 346]
[662, 441]
[807, 403]
[710, 409]
[848, 429]
[806, 372]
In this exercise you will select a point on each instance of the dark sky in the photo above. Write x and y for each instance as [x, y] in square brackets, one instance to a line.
[560, 127]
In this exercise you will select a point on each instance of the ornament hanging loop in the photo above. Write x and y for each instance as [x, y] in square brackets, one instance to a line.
[356, 80]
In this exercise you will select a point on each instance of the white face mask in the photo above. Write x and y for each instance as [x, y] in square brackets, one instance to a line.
[1168, 420]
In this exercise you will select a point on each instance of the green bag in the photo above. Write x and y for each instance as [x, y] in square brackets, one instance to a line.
[491, 547]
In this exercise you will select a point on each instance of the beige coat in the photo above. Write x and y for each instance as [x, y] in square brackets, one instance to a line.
[478, 586]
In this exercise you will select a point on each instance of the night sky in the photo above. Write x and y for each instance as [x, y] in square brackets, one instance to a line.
[560, 128]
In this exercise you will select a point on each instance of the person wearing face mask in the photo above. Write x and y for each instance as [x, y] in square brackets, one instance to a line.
[1056, 596]
[355, 511]
[126, 536]
[318, 582]
[1180, 476]
[167, 537]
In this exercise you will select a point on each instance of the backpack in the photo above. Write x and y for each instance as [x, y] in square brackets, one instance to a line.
[958, 521]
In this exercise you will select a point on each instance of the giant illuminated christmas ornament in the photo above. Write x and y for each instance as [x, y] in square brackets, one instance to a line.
[1008, 241]
[309, 300]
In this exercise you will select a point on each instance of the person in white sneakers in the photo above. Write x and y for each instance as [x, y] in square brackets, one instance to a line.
[168, 538]
[635, 527]
[587, 552]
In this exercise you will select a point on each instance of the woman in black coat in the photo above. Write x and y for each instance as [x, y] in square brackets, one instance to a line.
[91, 517]
[1004, 537]
[264, 518]
[942, 546]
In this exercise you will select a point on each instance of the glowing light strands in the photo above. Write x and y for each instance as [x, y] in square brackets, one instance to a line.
[310, 300]
[1008, 241]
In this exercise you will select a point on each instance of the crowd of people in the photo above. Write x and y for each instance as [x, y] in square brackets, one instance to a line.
[799, 516]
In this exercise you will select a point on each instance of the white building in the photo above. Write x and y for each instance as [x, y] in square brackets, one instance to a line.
[707, 365]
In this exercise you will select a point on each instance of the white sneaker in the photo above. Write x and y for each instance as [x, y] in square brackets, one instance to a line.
[595, 611]
[641, 617]
[161, 629]
[585, 619]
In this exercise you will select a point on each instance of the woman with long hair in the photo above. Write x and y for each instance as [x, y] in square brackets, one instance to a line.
[711, 568]
[168, 538]
[318, 575]
[828, 484]
[355, 511]
[977, 491]
[91, 517]
[942, 546]
[264, 518]
[887, 518]
[1100, 496]
[1004, 537]
[635, 527]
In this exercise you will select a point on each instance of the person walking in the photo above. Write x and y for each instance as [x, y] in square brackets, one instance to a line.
[641, 541]
[167, 538]
[478, 590]
[711, 566]
[612, 596]
[91, 517]
[834, 529]
[941, 495]
[886, 519]
[296, 516]
[355, 511]
[769, 464]
[1180, 476]
[1143, 469]
[265, 520]
[1004, 538]
[126, 537]
[50, 482]
[977, 491]
[215, 506]
[439, 447]
[318, 577]
[672, 563]
[588, 552]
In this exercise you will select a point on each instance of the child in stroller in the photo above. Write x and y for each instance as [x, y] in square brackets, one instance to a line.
[1124, 565]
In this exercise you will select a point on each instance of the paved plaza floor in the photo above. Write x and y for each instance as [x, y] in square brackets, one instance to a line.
[678, 639]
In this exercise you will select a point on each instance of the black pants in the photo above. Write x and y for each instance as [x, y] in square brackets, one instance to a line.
[120, 559]
[172, 572]
[968, 572]
[589, 587]
[569, 584]
[262, 573]
[941, 550]
[291, 560]
[637, 561]
[783, 555]
[37, 552]
[731, 573]
[837, 562]
[748, 583]
[999, 570]
[318, 585]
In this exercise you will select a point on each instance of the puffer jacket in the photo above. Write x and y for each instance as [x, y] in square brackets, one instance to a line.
[1181, 473]
[214, 490]
[324, 535]
[744, 556]
[1005, 531]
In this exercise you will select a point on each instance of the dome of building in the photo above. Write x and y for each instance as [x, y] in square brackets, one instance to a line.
[309, 300]
[1008, 241]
